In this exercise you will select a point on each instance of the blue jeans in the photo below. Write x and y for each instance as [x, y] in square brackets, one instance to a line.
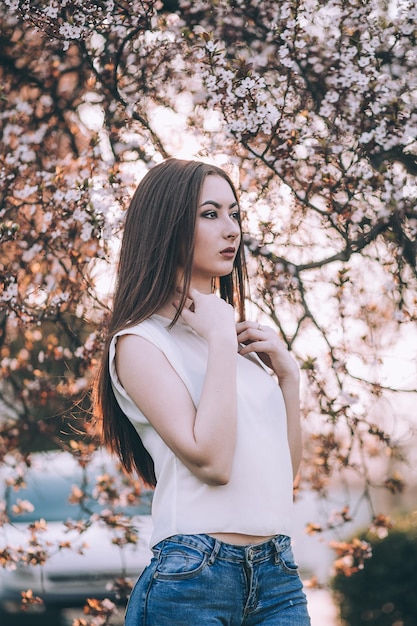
[196, 580]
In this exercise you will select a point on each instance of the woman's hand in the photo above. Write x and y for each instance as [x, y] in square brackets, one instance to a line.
[268, 346]
[210, 316]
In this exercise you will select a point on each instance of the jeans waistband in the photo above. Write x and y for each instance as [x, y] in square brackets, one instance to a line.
[219, 549]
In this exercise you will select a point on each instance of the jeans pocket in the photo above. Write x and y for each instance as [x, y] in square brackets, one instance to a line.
[287, 561]
[179, 561]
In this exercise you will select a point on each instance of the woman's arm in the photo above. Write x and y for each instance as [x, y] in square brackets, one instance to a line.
[203, 438]
[291, 391]
[266, 343]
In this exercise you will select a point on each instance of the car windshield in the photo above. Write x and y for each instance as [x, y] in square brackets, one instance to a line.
[49, 496]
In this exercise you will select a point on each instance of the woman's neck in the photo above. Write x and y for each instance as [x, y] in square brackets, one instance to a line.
[169, 310]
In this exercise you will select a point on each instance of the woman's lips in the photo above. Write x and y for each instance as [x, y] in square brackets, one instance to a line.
[228, 253]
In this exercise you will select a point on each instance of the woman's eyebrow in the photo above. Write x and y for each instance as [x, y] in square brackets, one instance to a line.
[217, 205]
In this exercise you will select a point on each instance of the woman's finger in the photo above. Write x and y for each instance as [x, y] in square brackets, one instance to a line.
[189, 301]
[254, 333]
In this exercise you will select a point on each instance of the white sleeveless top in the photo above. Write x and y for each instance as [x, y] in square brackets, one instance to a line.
[257, 500]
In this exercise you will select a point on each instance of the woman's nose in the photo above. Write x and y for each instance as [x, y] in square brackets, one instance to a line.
[232, 230]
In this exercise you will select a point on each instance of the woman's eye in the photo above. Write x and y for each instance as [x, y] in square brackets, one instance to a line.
[235, 215]
[210, 214]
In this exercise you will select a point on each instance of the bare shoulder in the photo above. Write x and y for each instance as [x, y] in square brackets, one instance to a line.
[152, 383]
[136, 355]
[143, 368]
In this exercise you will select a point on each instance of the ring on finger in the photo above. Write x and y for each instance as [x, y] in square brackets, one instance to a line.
[260, 327]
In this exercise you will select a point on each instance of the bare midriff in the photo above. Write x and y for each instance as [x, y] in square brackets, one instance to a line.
[238, 539]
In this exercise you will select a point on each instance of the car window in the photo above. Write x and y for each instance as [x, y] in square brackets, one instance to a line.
[49, 496]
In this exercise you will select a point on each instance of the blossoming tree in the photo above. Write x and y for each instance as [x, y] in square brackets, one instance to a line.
[312, 103]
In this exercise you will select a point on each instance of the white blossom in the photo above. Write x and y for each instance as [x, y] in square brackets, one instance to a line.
[10, 292]
[26, 192]
[31, 253]
[210, 46]
[86, 231]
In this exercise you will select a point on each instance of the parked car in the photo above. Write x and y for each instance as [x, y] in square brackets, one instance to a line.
[54, 485]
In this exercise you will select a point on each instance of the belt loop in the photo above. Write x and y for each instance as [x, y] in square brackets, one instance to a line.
[275, 541]
[215, 552]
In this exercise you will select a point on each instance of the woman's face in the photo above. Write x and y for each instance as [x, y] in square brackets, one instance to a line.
[217, 235]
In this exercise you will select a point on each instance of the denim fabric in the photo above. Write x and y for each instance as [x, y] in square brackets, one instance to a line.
[196, 580]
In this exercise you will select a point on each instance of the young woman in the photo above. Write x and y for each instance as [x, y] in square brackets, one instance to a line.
[204, 408]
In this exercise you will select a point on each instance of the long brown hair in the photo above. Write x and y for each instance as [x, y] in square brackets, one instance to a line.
[158, 237]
